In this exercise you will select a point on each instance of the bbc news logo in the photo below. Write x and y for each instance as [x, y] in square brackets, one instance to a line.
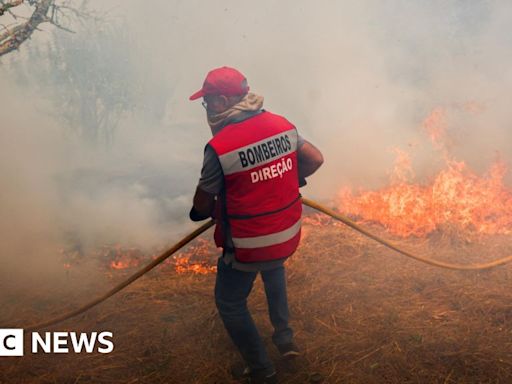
[11, 342]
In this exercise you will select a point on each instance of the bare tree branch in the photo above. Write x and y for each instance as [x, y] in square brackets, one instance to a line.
[5, 7]
[56, 12]
[12, 39]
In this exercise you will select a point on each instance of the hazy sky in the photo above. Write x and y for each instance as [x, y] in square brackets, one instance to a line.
[357, 78]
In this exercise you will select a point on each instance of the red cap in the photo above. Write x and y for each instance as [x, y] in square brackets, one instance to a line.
[223, 81]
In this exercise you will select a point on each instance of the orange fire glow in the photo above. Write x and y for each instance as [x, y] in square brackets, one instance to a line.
[196, 258]
[456, 195]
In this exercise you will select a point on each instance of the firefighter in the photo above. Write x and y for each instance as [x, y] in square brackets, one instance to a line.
[252, 169]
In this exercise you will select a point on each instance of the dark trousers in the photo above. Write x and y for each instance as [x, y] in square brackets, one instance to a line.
[232, 288]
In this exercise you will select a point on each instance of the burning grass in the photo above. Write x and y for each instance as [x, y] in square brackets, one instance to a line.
[361, 313]
[456, 196]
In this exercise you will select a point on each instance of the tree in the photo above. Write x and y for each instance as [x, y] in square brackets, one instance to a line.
[21, 28]
[90, 76]
[93, 76]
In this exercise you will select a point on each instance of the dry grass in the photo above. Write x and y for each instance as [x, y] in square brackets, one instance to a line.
[361, 313]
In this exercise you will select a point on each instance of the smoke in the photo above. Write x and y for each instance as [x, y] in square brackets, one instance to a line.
[356, 78]
[28, 194]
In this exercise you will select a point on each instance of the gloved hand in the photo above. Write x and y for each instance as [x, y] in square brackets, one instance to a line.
[196, 216]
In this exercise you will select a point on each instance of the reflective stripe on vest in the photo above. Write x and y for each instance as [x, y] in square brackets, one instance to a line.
[258, 157]
[260, 153]
[267, 240]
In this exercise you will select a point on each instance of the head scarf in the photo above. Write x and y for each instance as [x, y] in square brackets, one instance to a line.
[249, 104]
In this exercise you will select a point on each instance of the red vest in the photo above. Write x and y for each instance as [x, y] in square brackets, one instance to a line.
[261, 202]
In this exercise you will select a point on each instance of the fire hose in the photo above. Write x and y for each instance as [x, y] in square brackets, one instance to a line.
[345, 220]
[187, 239]
[310, 203]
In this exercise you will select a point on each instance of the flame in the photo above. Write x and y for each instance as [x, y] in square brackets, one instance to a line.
[456, 195]
[187, 260]
[124, 263]
[183, 265]
[198, 258]
[402, 170]
[120, 257]
[435, 125]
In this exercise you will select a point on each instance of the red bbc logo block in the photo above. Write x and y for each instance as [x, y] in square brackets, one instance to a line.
[11, 342]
